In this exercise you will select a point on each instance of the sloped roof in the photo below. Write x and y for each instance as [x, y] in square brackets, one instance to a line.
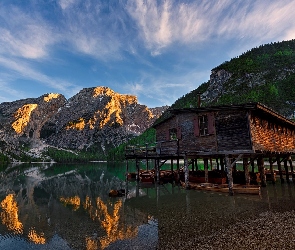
[259, 107]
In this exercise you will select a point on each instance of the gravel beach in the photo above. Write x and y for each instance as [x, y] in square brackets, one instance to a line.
[269, 231]
[213, 221]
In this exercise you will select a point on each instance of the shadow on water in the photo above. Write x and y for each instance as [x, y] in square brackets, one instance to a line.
[55, 206]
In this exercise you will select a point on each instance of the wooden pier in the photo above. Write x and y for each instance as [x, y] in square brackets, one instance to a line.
[246, 133]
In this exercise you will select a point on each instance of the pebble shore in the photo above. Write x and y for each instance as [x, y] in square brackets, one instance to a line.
[269, 231]
[212, 221]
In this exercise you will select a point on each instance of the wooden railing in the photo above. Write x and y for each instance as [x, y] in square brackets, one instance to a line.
[161, 148]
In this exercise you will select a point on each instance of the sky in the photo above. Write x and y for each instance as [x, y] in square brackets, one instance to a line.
[158, 50]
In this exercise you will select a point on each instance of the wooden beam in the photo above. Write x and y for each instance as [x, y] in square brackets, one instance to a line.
[186, 172]
[137, 169]
[273, 178]
[280, 169]
[260, 164]
[237, 159]
[286, 170]
[291, 167]
[206, 169]
[229, 175]
[157, 170]
[246, 170]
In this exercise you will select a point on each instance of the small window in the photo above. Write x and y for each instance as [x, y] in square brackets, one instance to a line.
[173, 134]
[203, 125]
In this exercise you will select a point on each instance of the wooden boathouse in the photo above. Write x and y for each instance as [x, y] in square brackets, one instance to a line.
[226, 134]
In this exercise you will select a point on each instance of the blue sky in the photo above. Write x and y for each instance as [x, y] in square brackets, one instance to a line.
[157, 50]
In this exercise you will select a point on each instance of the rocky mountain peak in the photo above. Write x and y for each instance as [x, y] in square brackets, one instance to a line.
[95, 115]
[216, 85]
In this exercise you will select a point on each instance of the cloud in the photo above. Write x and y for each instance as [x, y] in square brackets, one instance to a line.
[165, 89]
[93, 28]
[26, 71]
[162, 24]
[64, 4]
[24, 35]
[8, 93]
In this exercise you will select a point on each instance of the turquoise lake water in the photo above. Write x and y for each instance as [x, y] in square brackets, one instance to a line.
[67, 206]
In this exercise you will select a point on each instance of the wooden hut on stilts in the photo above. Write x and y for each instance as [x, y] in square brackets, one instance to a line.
[226, 134]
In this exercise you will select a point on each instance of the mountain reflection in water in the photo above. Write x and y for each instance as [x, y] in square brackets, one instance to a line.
[67, 207]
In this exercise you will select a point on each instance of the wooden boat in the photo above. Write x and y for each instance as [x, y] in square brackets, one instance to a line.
[147, 176]
[237, 188]
[166, 176]
[131, 176]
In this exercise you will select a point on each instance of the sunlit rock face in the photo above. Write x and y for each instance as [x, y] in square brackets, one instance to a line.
[21, 121]
[26, 117]
[98, 115]
[95, 115]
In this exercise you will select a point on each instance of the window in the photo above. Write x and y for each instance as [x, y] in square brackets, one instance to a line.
[173, 134]
[203, 124]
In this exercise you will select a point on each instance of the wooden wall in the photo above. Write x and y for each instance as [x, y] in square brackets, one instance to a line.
[232, 128]
[191, 142]
[271, 135]
[188, 140]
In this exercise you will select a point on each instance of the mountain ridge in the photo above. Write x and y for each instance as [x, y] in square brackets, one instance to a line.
[97, 118]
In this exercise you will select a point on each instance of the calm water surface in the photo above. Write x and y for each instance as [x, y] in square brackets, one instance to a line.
[53, 206]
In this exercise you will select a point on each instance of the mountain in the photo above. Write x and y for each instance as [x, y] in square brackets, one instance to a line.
[264, 74]
[92, 121]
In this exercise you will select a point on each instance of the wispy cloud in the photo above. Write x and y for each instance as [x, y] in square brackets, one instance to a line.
[24, 35]
[165, 89]
[27, 72]
[160, 24]
[93, 28]
[8, 93]
[114, 31]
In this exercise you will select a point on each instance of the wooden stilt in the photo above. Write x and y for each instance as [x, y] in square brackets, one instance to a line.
[206, 169]
[252, 165]
[286, 170]
[171, 165]
[158, 170]
[193, 165]
[280, 169]
[137, 169]
[229, 175]
[291, 167]
[260, 164]
[177, 167]
[273, 178]
[217, 164]
[222, 163]
[146, 157]
[127, 170]
[234, 165]
[196, 164]
[186, 171]
[246, 170]
[211, 164]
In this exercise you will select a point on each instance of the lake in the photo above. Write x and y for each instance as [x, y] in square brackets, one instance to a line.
[67, 206]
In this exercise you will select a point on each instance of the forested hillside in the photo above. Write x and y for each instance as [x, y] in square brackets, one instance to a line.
[264, 74]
